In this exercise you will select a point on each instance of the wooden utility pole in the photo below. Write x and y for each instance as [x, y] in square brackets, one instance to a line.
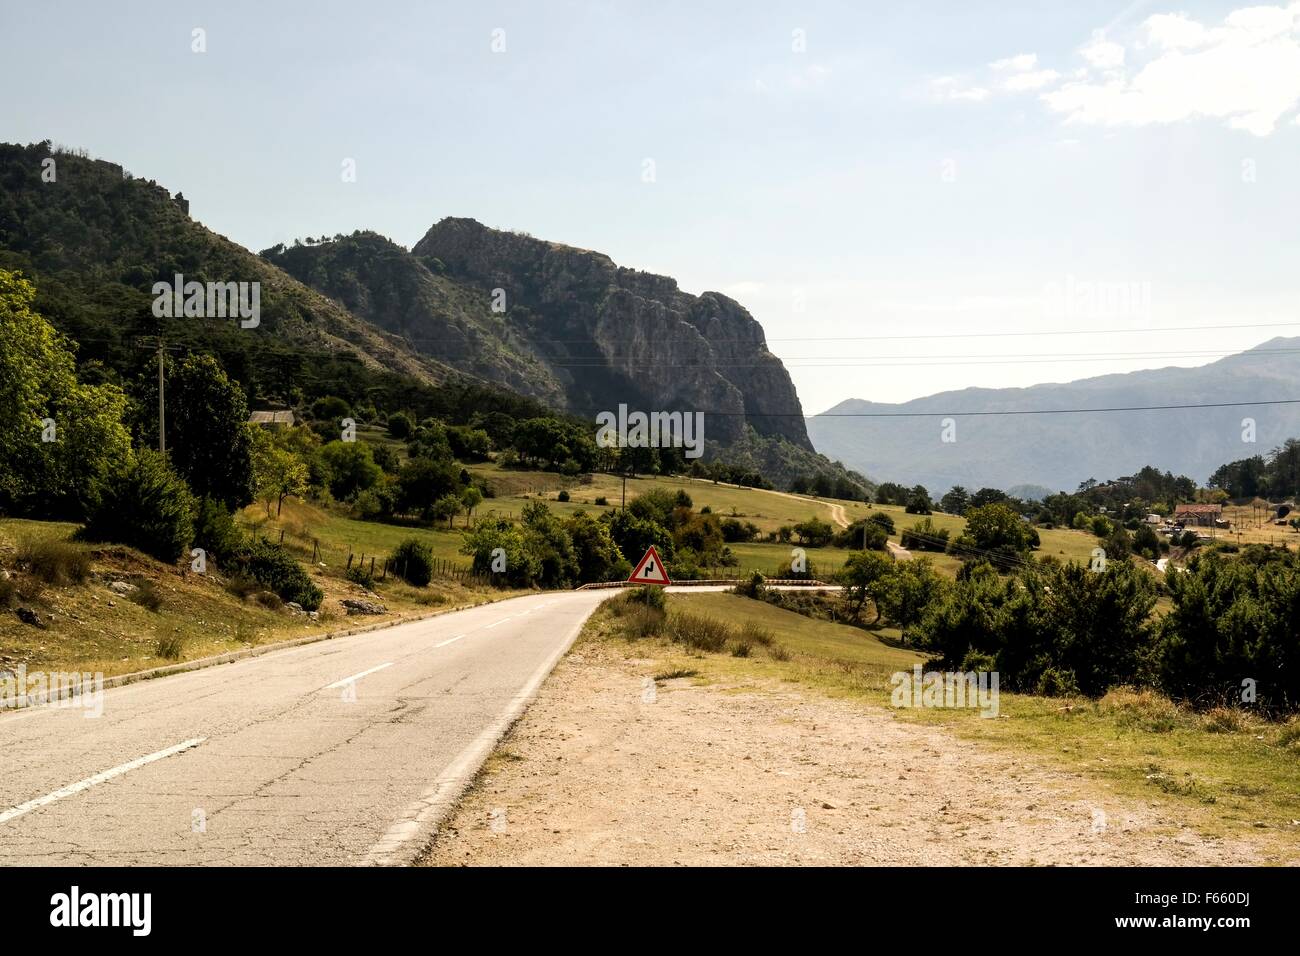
[162, 417]
[156, 342]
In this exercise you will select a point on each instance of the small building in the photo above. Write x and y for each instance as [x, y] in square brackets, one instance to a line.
[1206, 516]
[272, 418]
[1154, 519]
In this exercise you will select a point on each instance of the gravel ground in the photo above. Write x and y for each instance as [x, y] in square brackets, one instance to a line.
[605, 770]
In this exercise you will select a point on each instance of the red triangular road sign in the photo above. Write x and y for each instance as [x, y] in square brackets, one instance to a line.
[649, 570]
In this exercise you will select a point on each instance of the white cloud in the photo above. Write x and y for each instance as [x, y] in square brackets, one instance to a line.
[1018, 64]
[953, 88]
[1030, 81]
[1174, 31]
[1245, 73]
[1101, 53]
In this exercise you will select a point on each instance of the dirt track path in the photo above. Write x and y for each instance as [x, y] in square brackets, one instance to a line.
[838, 514]
[600, 771]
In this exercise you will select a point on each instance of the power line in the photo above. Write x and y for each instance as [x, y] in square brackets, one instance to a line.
[968, 414]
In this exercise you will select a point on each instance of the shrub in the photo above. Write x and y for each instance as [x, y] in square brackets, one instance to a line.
[1056, 682]
[1226, 720]
[1143, 708]
[412, 560]
[648, 596]
[925, 536]
[979, 662]
[602, 501]
[361, 574]
[275, 569]
[701, 633]
[751, 588]
[563, 495]
[8, 593]
[146, 506]
[242, 586]
[778, 653]
[268, 600]
[215, 530]
[171, 647]
[147, 595]
[55, 562]
[644, 621]
[752, 633]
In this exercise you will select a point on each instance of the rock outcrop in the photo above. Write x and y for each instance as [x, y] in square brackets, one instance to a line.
[613, 335]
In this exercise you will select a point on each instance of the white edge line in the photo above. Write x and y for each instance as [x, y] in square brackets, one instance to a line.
[356, 677]
[424, 815]
[80, 785]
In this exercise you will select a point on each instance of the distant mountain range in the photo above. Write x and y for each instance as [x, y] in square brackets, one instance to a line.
[1058, 448]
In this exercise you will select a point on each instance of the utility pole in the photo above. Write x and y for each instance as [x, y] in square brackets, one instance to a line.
[162, 418]
[157, 343]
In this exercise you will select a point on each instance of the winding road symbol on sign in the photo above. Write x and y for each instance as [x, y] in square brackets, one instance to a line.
[649, 570]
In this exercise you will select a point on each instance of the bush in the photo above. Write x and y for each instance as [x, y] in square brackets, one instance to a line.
[275, 569]
[147, 595]
[602, 501]
[1056, 682]
[700, 633]
[925, 536]
[648, 596]
[412, 560]
[1226, 720]
[55, 562]
[752, 633]
[1143, 708]
[8, 593]
[563, 495]
[268, 600]
[171, 647]
[361, 574]
[146, 506]
[215, 530]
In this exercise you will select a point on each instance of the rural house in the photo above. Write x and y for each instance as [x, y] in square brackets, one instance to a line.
[1207, 516]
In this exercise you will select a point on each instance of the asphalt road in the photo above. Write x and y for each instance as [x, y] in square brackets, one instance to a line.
[342, 752]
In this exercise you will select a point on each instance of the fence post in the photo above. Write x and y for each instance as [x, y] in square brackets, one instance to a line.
[349, 560]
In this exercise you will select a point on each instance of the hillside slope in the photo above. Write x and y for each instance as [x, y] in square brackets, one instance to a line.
[96, 239]
[1061, 450]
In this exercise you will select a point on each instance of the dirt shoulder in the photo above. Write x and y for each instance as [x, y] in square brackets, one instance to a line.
[609, 768]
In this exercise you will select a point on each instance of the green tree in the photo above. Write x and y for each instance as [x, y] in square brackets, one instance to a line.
[145, 505]
[865, 577]
[349, 468]
[42, 399]
[208, 436]
[907, 591]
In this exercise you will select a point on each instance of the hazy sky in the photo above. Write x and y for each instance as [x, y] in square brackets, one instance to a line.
[851, 172]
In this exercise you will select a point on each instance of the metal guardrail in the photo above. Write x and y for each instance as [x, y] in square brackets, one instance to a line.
[802, 582]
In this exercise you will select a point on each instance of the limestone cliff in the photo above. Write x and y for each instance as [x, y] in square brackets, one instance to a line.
[611, 334]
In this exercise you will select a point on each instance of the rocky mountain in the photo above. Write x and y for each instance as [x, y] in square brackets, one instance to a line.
[564, 325]
[480, 314]
[1059, 449]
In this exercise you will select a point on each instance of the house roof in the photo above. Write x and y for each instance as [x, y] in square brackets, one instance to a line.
[271, 417]
[1198, 509]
